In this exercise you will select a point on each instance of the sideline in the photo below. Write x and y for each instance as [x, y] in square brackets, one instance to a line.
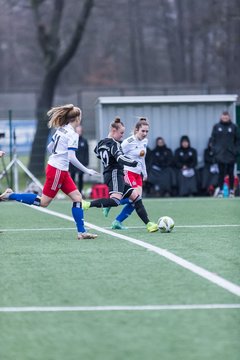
[129, 227]
[214, 278]
[117, 308]
[40, 229]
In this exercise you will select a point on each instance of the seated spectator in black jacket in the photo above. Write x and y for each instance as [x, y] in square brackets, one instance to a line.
[209, 172]
[186, 161]
[161, 174]
[226, 148]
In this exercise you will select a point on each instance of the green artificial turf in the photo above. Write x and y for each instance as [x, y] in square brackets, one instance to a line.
[42, 264]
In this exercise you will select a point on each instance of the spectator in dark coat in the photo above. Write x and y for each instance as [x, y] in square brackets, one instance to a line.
[186, 161]
[82, 154]
[161, 174]
[226, 148]
[209, 172]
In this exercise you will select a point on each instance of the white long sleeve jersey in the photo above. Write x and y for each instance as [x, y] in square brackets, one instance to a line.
[136, 150]
[63, 140]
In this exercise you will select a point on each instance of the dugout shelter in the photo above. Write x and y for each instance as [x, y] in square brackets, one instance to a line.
[169, 116]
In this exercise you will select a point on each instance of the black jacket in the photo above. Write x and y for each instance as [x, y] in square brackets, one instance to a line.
[209, 158]
[225, 142]
[82, 153]
[185, 157]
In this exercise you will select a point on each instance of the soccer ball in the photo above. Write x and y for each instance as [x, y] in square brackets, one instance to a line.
[165, 224]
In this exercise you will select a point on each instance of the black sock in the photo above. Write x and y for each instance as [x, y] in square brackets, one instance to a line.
[140, 210]
[109, 202]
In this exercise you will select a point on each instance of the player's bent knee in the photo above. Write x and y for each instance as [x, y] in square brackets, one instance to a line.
[44, 205]
[75, 197]
[115, 201]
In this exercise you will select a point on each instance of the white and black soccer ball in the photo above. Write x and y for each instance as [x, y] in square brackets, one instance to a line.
[165, 224]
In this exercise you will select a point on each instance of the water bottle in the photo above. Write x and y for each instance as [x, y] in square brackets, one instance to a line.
[225, 190]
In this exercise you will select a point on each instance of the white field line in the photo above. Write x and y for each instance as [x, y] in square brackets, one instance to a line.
[107, 227]
[189, 226]
[208, 226]
[41, 229]
[173, 199]
[117, 308]
[214, 278]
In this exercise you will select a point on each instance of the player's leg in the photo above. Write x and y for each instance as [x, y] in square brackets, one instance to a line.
[78, 215]
[130, 178]
[135, 181]
[124, 214]
[107, 209]
[54, 179]
[115, 182]
[113, 201]
[142, 213]
[26, 198]
[70, 189]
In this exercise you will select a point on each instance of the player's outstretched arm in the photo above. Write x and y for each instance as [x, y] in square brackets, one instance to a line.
[73, 160]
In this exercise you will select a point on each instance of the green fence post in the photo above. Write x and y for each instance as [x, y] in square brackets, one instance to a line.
[10, 144]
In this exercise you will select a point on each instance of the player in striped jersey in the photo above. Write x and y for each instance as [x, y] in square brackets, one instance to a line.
[62, 147]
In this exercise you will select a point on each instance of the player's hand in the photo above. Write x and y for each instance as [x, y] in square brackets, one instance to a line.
[92, 172]
[2, 153]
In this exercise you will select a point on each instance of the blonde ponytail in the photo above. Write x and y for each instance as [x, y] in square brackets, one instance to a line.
[63, 115]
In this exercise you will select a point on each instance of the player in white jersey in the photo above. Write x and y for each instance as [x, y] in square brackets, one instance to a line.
[135, 147]
[62, 147]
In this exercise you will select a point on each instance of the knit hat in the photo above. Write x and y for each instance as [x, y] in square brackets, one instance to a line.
[184, 138]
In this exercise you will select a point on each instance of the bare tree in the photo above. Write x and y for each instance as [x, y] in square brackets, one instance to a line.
[231, 51]
[135, 20]
[157, 45]
[55, 60]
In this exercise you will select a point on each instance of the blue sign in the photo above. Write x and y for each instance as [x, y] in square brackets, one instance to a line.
[23, 135]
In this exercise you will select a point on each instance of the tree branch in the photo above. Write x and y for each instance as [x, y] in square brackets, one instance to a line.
[76, 37]
[48, 39]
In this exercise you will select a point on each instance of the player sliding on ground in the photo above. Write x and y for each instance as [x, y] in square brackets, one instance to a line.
[110, 152]
[62, 147]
